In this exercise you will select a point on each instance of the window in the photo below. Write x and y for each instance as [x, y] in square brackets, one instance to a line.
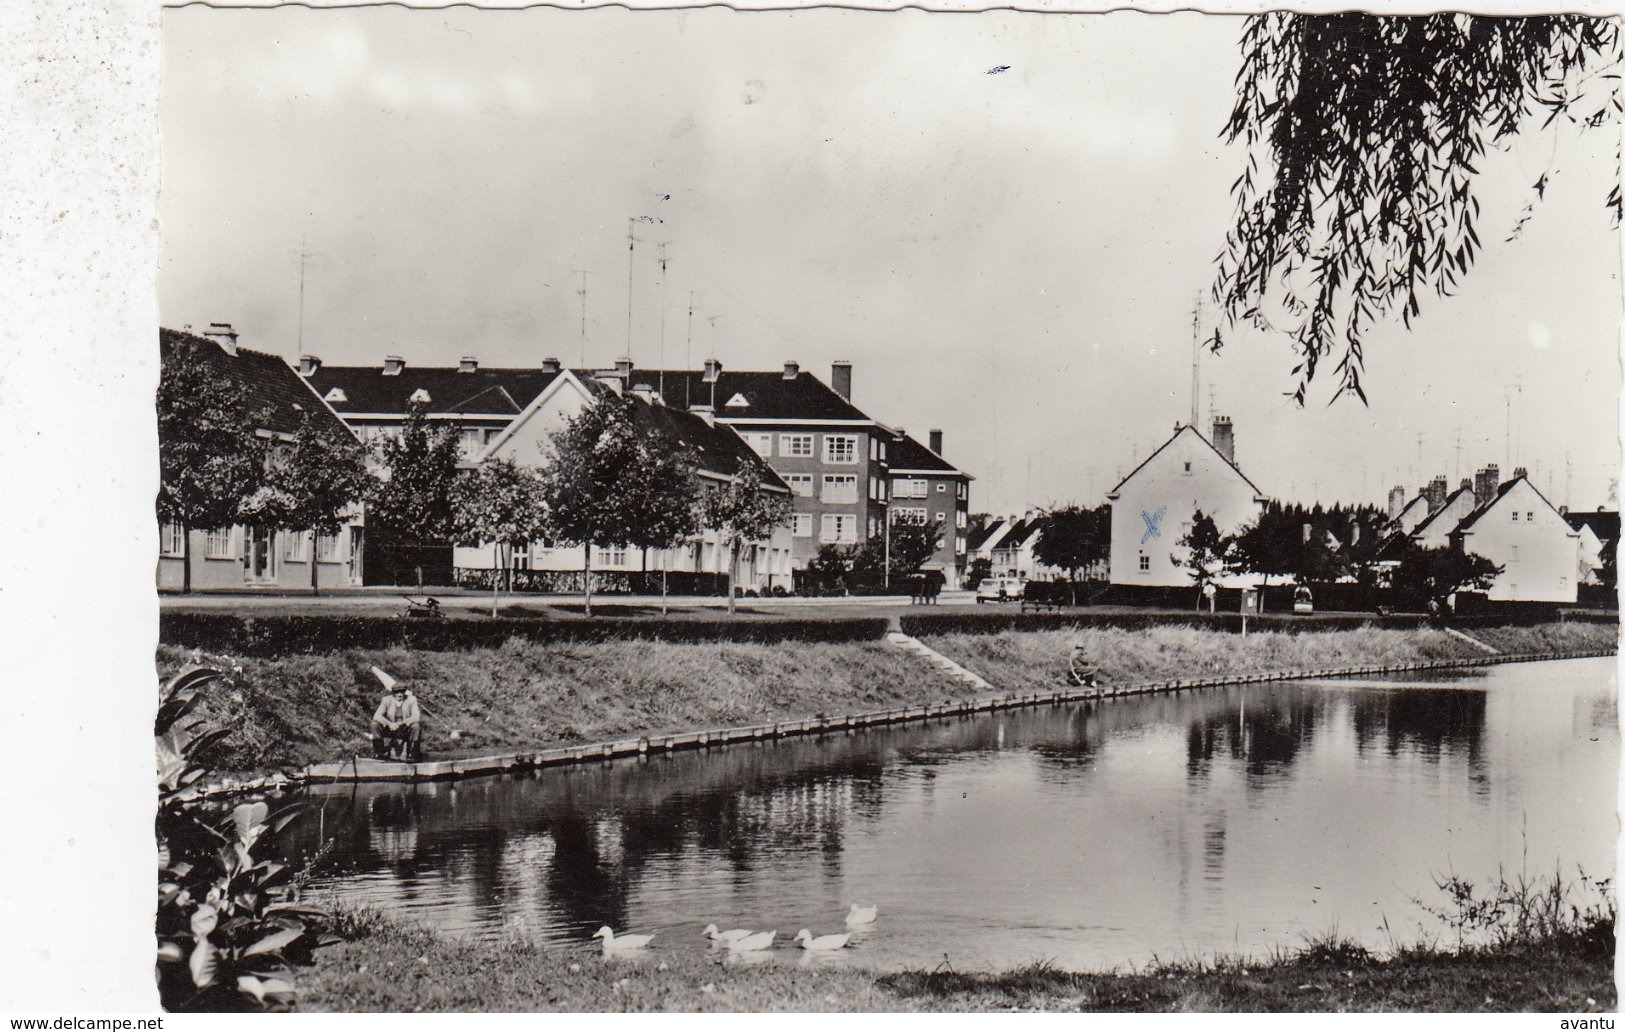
[762, 444]
[796, 446]
[1514, 517]
[470, 443]
[942, 517]
[171, 540]
[908, 514]
[217, 544]
[840, 487]
[839, 529]
[327, 548]
[942, 488]
[909, 489]
[959, 545]
[803, 526]
[960, 519]
[800, 483]
[840, 449]
[613, 556]
[964, 490]
[519, 555]
[874, 527]
[293, 545]
[1529, 517]
[1145, 564]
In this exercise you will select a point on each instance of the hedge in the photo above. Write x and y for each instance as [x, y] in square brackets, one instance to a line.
[982, 622]
[282, 635]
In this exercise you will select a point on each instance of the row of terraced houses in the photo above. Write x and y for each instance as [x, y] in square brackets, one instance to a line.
[845, 472]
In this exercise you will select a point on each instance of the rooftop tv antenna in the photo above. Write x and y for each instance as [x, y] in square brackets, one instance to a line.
[1196, 358]
[661, 375]
[583, 295]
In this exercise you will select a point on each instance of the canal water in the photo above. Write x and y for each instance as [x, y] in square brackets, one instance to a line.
[1091, 835]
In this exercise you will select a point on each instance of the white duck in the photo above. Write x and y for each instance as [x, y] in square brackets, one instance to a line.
[861, 915]
[822, 942]
[622, 943]
[729, 936]
[758, 941]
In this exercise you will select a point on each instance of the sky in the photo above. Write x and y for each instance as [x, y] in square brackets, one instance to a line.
[1009, 255]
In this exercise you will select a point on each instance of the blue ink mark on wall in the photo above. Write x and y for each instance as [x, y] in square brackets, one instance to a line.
[1153, 523]
[1000, 68]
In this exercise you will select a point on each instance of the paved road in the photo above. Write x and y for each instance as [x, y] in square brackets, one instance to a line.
[390, 600]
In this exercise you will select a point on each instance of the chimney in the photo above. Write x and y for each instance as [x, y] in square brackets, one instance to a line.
[1562, 510]
[550, 365]
[1466, 485]
[1224, 438]
[1396, 501]
[1308, 532]
[393, 364]
[222, 334]
[644, 392]
[468, 364]
[936, 442]
[840, 378]
[308, 364]
[713, 370]
[1436, 491]
[705, 412]
[623, 368]
[792, 370]
[1484, 484]
[1519, 472]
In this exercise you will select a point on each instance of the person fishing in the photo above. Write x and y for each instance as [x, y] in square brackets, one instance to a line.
[397, 725]
[1082, 673]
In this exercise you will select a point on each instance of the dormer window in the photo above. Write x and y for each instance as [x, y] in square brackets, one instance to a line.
[335, 396]
[737, 401]
[419, 397]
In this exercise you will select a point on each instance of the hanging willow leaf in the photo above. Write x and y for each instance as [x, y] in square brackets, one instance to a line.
[1368, 133]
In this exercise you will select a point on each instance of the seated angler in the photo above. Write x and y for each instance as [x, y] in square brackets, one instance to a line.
[397, 731]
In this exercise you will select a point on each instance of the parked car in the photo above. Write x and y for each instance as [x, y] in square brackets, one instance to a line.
[1303, 601]
[1001, 589]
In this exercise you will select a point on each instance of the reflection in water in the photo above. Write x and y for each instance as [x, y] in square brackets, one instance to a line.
[1089, 834]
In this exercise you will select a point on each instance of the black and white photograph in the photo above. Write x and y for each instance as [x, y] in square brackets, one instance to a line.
[701, 510]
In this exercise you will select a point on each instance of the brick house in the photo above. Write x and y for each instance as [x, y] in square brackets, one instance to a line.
[241, 556]
[831, 454]
[926, 488]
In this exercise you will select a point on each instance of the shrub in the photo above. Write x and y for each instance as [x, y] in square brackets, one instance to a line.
[229, 924]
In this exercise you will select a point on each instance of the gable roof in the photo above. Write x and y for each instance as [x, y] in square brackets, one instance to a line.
[713, 447]
[1019, 534]
[905, 454]
[269, 386]
[1185, 429]
[1441, 510]
[986, 533]
[1500, 493]
[1605, 525]
[368, 391]
[767, 395]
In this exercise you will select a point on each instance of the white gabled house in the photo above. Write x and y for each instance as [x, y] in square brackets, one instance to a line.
[1152, 507]
[718, 451]
[1516, 528]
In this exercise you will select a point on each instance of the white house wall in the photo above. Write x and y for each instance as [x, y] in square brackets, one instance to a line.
[1153, 509]
[1437, 533]
[1540, 555]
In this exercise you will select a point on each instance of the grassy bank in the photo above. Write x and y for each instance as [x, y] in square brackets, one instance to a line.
[295, 710]
[1562, 965]
[1018, 660]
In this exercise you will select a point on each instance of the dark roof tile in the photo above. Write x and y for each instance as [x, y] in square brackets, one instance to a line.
[367, 390]
[269, 385]
[767, 395]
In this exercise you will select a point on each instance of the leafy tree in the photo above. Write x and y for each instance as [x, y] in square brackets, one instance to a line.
[1363, 135]
[1434, 574]
[742, 511]
[313, 483]
[912, 545]
[1074, 538]
[661, 498]
[589, 481]
[411, 502]
[1204, 554]
[210, 458]
[501, 503]
[981, 568]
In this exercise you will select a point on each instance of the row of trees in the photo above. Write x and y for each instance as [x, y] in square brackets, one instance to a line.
[901, 552]
[607, 483]
[1310, 546]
